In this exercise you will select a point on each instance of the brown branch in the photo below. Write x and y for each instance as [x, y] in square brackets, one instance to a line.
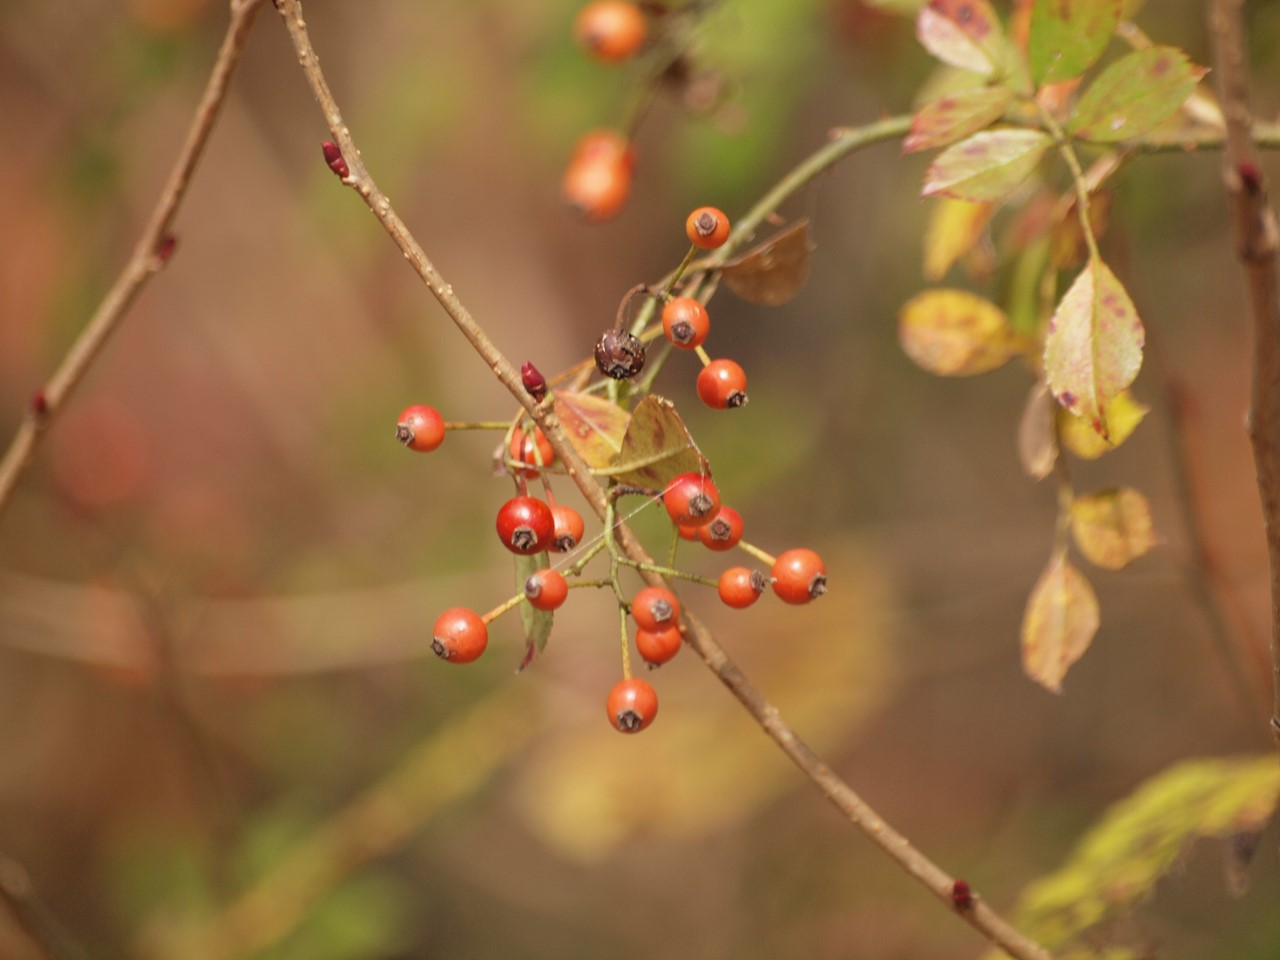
[149, 256]
[985, 920]
[1256, 246]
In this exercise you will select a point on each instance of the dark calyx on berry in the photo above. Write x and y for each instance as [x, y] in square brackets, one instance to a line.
[619, 355]
[629, 721]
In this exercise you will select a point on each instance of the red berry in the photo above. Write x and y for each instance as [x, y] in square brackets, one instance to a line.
[658, 646]
[740, 588]
[724, 532]
[707, 228]
[533, 449]
[604, 146]
[722, 384]
[686, 322]
[687, 533]
[568, 528]
[655, 608]
[632, 705]
[459, 636]
[525, 525]
[597, 188]
[546, 589]
[610, 30]
[799, 576]
[691, 499]
[420, 428]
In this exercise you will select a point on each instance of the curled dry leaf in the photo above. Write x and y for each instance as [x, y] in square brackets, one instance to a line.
[595, 426]
[772, 272]
[954, 333]
[1037, 440]
[657, 447]
[537, 623]
[1113, 527]
[1059, 624]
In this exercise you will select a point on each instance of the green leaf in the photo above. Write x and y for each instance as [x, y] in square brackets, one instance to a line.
[1068, 36]
[537, 623]
[1113, 527]
[1135, 95]
[954, 333]
[987, 165]
[1094, 347]
[956, 116]
[595, 425]
[1115, 866]
[1059, 624]
[657, 447]
[962, 33]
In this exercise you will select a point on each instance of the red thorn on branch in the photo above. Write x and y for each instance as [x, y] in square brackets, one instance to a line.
[1250, 177]
[165, 247]
[39, 405]
[534, 382]
[333, 157]
[961, 895]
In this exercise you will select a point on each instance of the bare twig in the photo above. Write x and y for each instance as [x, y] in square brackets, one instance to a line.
[1256, 246]
[149, 255]
[985, 920]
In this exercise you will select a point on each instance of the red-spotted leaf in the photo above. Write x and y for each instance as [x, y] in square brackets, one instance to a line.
[1068, 36]
[657, 447]
[1135, 95]
[954, 333]
[595, 426]
[1112, 527]
[963, 33]
[955, 116]
[1059, 624]
[987, 165]
[1094, 347]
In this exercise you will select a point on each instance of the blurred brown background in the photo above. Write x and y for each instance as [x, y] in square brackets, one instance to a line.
[218, 579]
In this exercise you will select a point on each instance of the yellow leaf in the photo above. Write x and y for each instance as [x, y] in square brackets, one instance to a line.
[1059, 624]
[954, 333]
[1123, 416]
[954, 229]
[1112, 527]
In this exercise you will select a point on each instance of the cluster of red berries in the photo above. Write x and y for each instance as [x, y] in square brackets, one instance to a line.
[722, 383]
[537, 527]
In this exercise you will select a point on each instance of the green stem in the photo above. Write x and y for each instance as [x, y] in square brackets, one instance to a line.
[669, 572]
[756, 552]
[1078, 178]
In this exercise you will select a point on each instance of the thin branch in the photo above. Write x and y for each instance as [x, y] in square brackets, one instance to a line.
[980, 916]
[1256, 246]
[150, 254]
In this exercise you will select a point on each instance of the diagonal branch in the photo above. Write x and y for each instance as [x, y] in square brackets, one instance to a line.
[1257, 246]
[977, 913]
[149, 256]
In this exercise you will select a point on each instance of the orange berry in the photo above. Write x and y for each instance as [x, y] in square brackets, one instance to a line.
[707, 228]
[610, 30]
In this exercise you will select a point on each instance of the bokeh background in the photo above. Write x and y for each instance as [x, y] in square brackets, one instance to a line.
[218, 579]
